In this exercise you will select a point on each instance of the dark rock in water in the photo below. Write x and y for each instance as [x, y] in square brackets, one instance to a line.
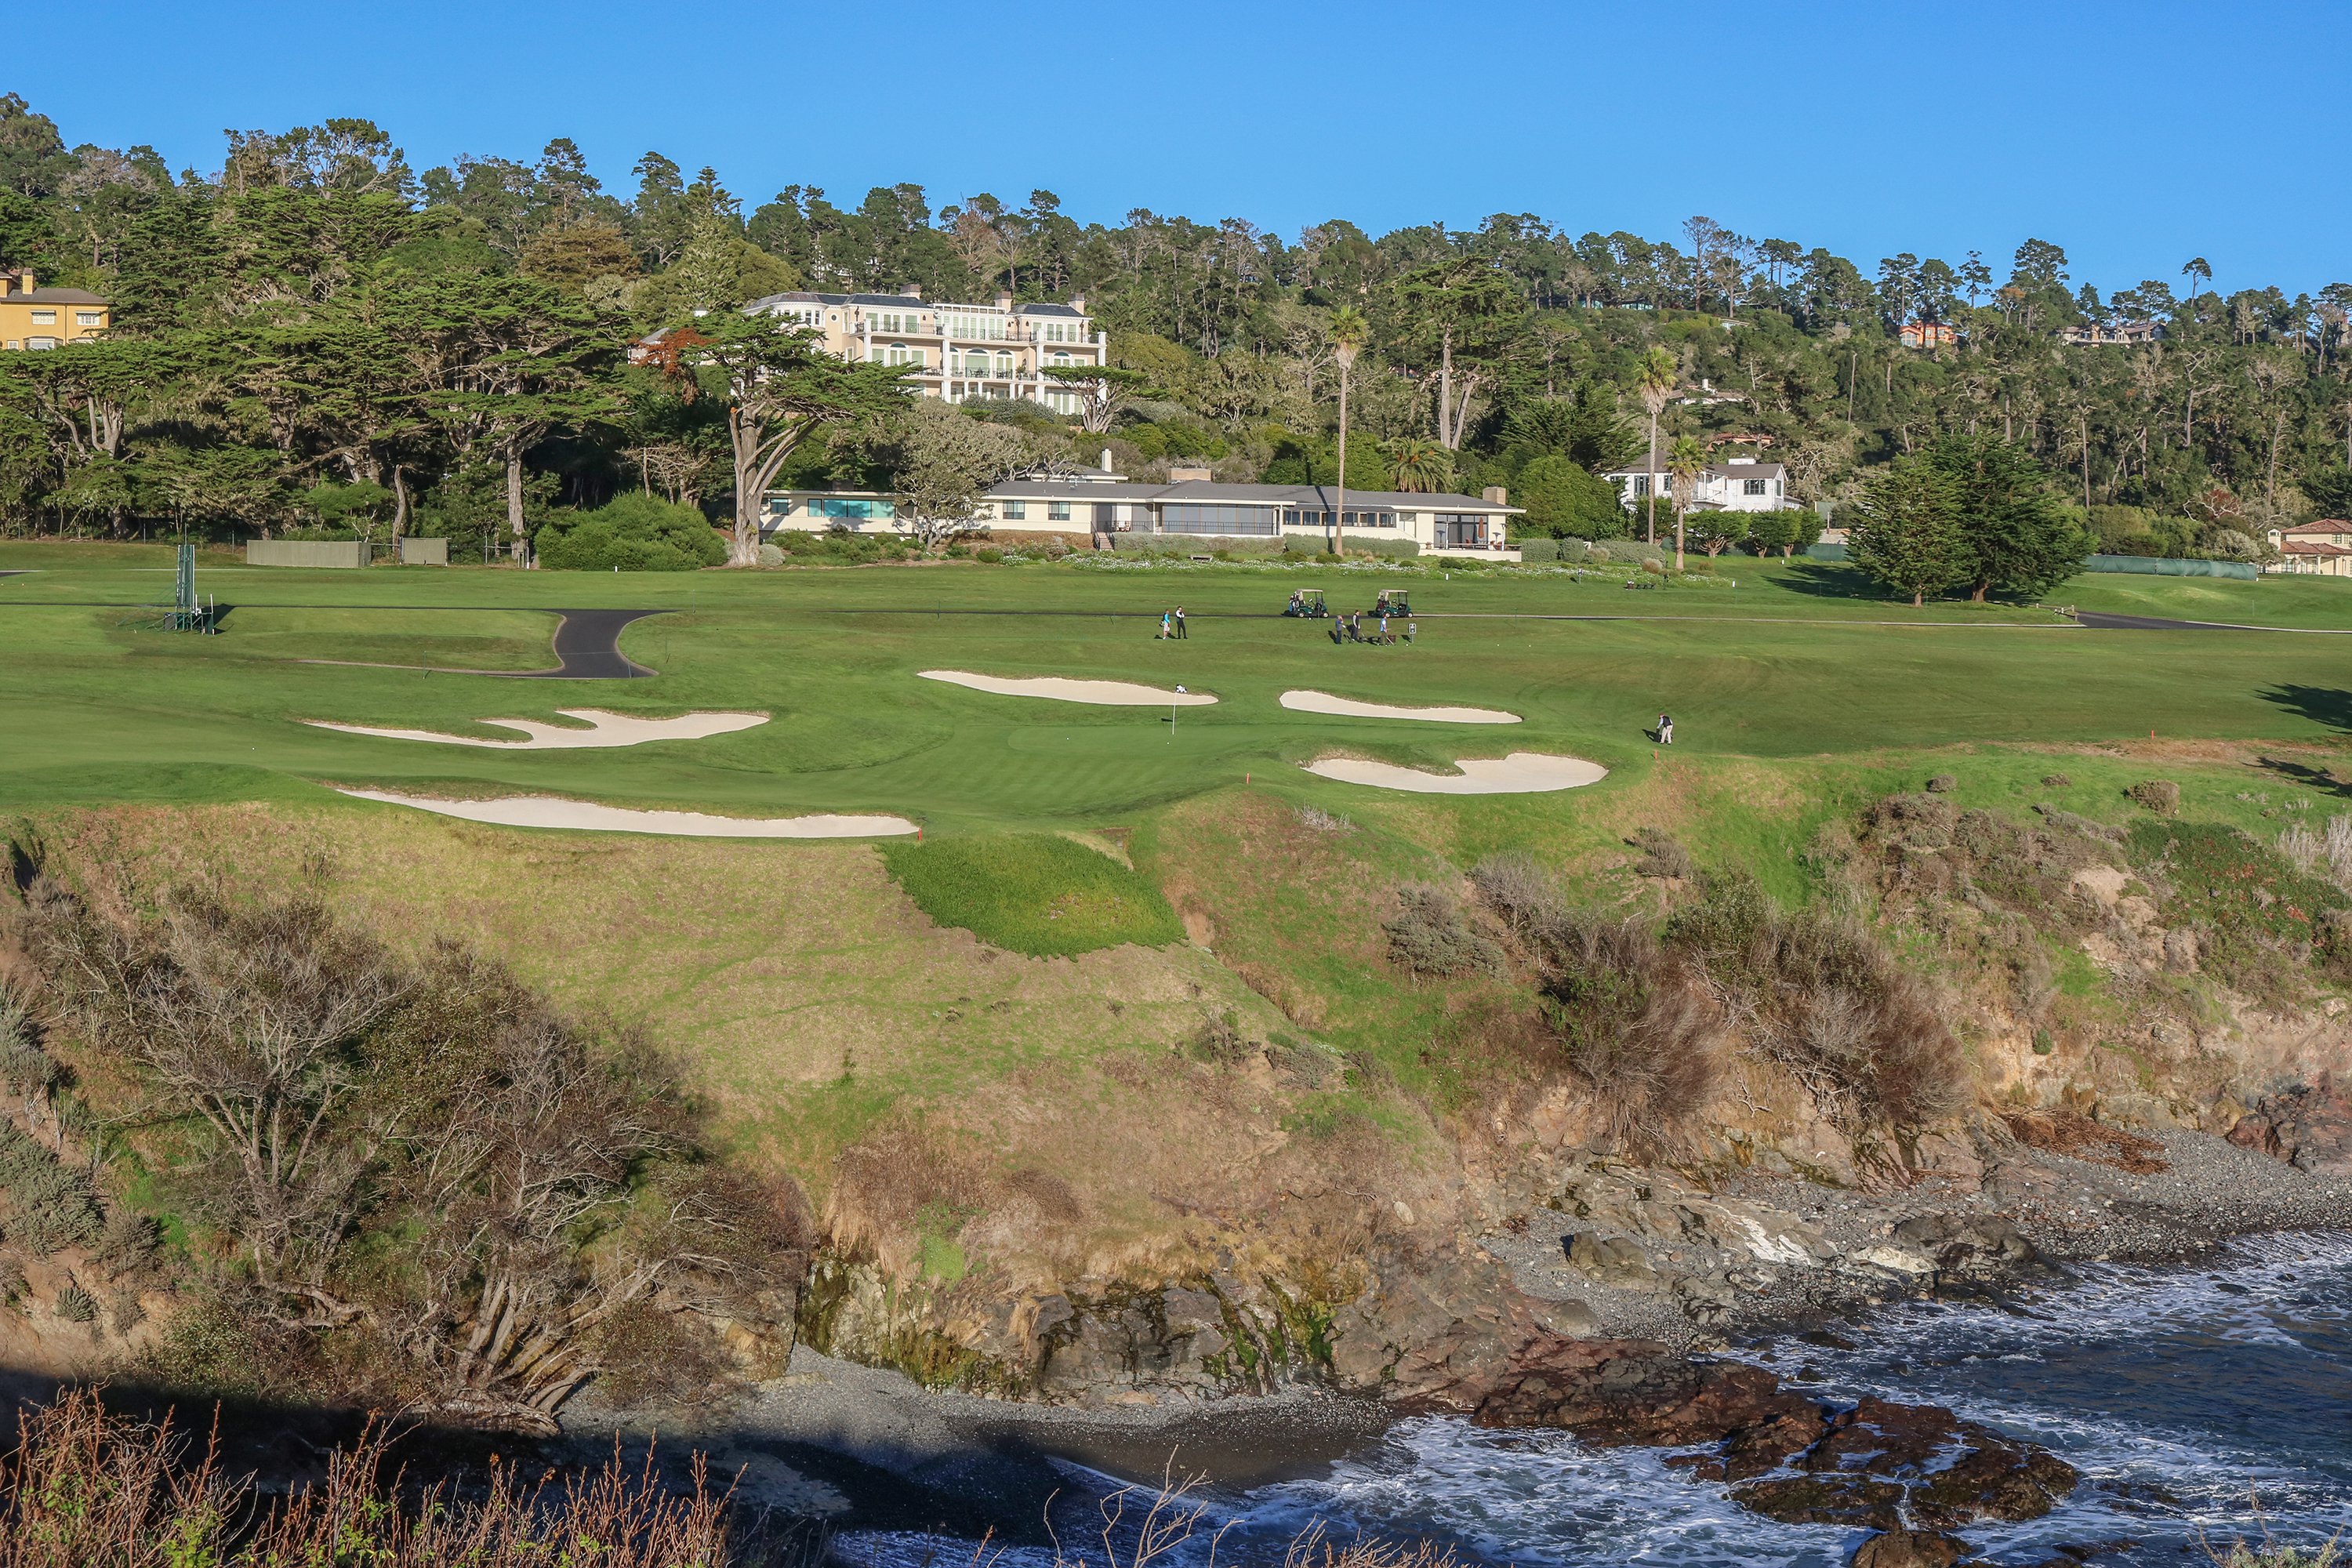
[1881, 1437]
[1872, 1464]
[1910, 1549]
[1855, 1501]
[1616, 1392]
[1995, 1479]
[1826, 1339]
[2308, 1126]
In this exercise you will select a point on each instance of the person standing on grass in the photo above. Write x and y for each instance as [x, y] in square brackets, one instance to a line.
[1384, 625]
[1665, 730]
[1181, 634]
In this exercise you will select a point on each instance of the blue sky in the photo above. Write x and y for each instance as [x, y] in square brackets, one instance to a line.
[2134, 135]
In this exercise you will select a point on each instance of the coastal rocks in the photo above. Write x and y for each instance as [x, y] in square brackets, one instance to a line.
[1909, 1549]
[1967, 1244]
[1790, 1459]
[2308, 1126]
[1611, 1260]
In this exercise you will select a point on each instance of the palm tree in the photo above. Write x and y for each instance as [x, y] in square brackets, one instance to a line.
[1657, 384]
[1419, 466]
[1684, 461]
[1348, 331]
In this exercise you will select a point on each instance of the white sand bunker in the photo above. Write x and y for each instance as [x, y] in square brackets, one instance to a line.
[1347, 707]
[1521, 772]
[1102, 693]
[605, 729]
[548, 811]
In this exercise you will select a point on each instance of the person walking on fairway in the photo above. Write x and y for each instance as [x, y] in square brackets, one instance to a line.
[1165, 630]
[1665, 730]
[1181, 634]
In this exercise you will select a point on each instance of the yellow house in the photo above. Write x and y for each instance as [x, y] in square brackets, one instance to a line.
[33, 318]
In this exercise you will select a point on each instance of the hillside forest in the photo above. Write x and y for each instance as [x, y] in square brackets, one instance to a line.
[316, 340]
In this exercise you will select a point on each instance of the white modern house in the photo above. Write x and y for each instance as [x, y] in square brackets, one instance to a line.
[1741, 484]
[959, 352]
[1101, 503]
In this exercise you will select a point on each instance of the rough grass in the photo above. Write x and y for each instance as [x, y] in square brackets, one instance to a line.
[1032, 893]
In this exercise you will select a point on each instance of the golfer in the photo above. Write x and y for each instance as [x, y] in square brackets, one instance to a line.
[1165, 631]
[1665, 730]
[1181, 634]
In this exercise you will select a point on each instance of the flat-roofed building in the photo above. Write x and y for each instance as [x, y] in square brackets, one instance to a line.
[959, 352]
[1098, 501]
[1742, 484]
[37, 318]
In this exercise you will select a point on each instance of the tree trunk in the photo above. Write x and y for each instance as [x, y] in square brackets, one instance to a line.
[744, 549]
[1650, 480]
[1679, 538]
[518, 545]
[1340, 493]
[399, 502]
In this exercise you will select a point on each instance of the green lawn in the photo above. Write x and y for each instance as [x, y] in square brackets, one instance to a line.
[1794, 662]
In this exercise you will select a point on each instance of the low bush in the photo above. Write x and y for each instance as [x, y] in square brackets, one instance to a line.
[2256, 915]
[635, 532]
[1637, 1026]
[1515, 888]
[1427, 935]
[87, 1487]
[1821, 996]
[2162, 796]
[1662, 856]
[1032, 892]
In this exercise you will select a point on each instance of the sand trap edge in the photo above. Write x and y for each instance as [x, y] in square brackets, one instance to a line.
[605, 731]
[587, 816]
[1071, 689]
[1303, 701]
[1521, 772]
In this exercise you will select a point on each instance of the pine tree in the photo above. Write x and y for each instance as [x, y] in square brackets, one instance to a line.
[1910, 538]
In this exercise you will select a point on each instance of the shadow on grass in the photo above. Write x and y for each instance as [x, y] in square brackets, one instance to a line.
[2327, 705]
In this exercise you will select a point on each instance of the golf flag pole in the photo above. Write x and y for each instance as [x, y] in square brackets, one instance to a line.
[1171, 716]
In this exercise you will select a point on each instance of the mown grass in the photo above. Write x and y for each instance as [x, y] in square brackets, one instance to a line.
[1032, 893]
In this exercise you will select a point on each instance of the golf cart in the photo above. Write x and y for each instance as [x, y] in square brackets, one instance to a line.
[1308, 604]
[1393, 601]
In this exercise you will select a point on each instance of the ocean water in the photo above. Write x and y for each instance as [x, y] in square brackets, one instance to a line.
[2202, 1404]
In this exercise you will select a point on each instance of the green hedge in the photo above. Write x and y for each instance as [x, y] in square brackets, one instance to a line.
[1192, 544]
[636, 533]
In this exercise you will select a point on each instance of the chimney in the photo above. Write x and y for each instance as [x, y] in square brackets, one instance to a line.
[1078, 303]
[1496, 495]
[1004, 299]
[1105, 462]
[910, 291]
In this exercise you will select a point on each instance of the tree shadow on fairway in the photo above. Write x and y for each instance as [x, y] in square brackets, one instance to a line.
[2321, 704]
[1829, 580]
[2309, 777]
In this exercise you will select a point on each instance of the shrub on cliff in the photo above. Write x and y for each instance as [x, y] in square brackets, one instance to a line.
[418, 1181]
[1821, 996]
[1637, 1026]
[1428, 935]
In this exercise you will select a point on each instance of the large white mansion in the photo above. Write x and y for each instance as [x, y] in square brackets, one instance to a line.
[1000, 350]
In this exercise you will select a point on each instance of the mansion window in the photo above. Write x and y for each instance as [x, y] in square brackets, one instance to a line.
[86, 317]
[901, 321]
[45, 318]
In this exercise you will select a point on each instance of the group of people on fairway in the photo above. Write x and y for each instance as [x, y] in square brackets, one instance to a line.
[1172, 624]
[1347, 628]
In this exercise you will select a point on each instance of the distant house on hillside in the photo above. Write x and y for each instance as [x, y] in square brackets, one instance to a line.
[2129, 334]
[1929, 335]
[2321, 549]
[958, 351]
[37, 318]
[1742, 484]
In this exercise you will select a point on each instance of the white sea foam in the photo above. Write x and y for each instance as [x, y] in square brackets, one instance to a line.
[2227, 1377]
